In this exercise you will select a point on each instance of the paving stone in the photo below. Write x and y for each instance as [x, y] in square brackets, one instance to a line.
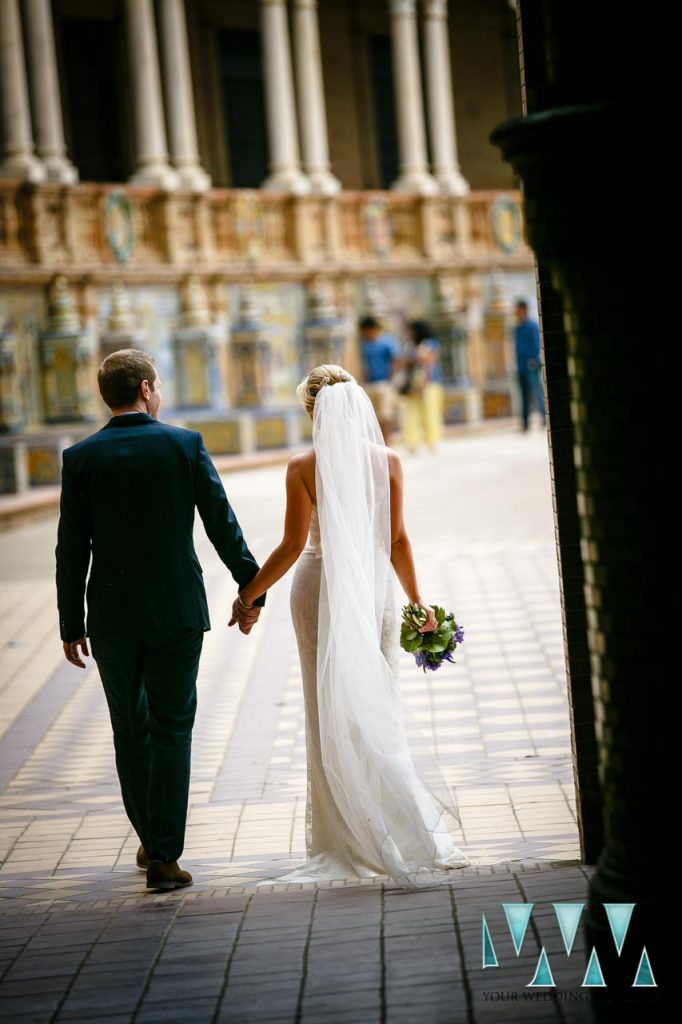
[81, 940]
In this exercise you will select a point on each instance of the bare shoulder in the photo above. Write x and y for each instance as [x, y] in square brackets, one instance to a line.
[302, 460]
[395, 466]
[302, 465]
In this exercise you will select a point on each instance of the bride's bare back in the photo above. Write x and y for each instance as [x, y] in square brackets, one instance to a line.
[306, 462]
[301, 496]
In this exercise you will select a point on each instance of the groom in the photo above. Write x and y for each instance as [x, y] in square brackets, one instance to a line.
[128, 497]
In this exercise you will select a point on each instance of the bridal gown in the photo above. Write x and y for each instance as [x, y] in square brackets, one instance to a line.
[331, 849]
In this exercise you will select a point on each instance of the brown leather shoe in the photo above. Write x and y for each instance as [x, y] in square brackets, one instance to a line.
[142, 859]
[162, 875]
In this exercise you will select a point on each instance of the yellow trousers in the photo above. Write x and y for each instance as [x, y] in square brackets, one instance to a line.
[422, 416]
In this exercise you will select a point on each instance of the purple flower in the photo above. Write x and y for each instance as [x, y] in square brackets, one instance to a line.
[426, 660]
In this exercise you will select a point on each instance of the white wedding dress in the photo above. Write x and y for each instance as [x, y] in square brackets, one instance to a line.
[376, 800]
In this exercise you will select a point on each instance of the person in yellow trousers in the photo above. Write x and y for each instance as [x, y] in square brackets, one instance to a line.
[421, 391]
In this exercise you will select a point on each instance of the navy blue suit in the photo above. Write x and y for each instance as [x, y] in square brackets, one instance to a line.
[128, 497]
[528, 360]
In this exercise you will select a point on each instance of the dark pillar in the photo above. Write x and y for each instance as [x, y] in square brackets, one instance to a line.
[561, 442]
[589, 152]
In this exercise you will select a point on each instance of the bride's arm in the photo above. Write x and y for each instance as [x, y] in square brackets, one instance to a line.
[296, 525]
[401, 549]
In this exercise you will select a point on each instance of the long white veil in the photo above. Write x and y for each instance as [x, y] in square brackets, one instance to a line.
[381, 770]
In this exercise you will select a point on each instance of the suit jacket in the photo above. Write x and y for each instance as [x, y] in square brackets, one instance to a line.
[128, 498]
[527, 341]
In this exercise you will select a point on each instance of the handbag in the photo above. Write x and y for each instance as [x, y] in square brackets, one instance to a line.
[415, 379]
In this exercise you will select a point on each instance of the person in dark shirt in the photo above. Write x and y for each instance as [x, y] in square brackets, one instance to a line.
[528, 363]
[379, 352]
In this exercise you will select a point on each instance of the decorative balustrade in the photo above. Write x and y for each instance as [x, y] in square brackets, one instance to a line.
[62, 245]
[81, 228]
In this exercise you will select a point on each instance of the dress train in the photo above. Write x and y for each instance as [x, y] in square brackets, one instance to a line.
[332, 851]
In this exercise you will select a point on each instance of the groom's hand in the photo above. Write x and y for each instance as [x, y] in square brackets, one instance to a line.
[245, 617]
[71, 651]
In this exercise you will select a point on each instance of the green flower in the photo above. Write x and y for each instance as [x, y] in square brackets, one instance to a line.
[432, 647]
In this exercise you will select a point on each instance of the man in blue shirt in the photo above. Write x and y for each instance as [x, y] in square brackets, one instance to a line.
[528, 362]
[379, 351]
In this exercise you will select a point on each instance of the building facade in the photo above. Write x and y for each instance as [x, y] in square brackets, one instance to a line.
[230, 185]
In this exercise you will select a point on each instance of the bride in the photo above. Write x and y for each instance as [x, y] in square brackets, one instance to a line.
[376, 800]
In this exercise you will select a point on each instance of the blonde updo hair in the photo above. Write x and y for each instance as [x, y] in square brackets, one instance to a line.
[326, 373]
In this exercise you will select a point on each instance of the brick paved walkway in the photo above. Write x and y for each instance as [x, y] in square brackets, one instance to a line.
[81, 939]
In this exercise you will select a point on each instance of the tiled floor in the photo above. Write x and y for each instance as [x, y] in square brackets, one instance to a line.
[80, 938]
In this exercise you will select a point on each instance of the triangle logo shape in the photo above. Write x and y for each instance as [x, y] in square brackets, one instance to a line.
[645, 976]
[568, 917]
[619, 915]
[593, 975]
[488, 955]
[518, 916]
[543, 973]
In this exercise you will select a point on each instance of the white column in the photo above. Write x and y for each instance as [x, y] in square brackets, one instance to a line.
[414, 174]
[441, 103]
[285, 164]
[18, 160]
[47, 109]
[150, 132]
[179, 97]
[311, 105]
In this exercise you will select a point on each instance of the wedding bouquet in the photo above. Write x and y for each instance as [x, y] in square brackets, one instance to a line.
[430, 649]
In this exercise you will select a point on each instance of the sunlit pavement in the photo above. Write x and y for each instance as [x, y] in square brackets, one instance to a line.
[83, 940]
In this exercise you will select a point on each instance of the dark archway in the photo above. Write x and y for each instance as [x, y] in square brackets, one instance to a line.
[586, 151]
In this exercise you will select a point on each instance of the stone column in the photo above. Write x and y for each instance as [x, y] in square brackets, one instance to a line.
[285, 165]
[179, 97]
[47, 111]
[414, 175]
[150, 132]
[65, 359]
[251, 354]
[311, 104]
[196, 351]
[602, 325]
[18, 160]
[440, 100]
[324, 331]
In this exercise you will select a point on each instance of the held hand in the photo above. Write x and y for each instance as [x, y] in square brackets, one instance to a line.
[71, 651]
[245, 617]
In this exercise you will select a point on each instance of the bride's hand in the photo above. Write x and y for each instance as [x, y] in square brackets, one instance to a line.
[244, 617]
[431, 623]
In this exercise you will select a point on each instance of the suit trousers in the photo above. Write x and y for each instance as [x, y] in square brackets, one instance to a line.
[530, 385]
[150, 686]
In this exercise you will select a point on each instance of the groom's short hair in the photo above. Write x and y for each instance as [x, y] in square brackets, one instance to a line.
[120, 375]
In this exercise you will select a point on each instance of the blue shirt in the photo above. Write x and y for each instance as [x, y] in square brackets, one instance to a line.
[377, 357]
[434, 369]
[527, 337]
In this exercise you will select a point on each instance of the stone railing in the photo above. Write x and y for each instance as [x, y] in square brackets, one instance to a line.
[101, 228]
